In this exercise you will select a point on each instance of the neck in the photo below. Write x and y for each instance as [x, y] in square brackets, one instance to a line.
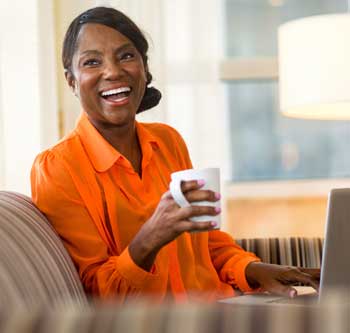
[122, 138]
[125, 140]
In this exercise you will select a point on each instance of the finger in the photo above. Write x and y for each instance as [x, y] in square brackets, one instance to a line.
[186, 213]
[314, 272]
[167, 195]
[191, 185]
[189, 226]
[308, 280]
[202, 195]
[298, 276]
[278, 288]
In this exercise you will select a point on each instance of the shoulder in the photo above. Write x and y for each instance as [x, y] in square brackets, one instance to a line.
[164, 132]
[58, 170]
[53, 180]
[57, 155]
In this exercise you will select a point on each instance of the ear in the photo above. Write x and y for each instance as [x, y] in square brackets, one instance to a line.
[71, 81]
[148, 76]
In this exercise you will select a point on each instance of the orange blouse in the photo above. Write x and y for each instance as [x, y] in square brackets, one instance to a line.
[97, 203]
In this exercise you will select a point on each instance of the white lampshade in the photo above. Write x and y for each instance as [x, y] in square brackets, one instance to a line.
[314, 67]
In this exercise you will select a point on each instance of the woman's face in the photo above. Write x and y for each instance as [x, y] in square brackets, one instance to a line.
[109, 76]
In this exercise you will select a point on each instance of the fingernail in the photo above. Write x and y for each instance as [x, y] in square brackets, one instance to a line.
[292, 293]
[217, 195]
[217, 209]
[201, 182]
[213, 224]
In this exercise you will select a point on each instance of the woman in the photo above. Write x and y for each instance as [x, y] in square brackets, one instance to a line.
[104, 187]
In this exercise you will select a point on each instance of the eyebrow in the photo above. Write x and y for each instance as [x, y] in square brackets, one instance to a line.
[119, 49]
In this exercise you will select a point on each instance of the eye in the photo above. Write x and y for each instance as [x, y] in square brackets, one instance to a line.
[91, 62]
[127, 56]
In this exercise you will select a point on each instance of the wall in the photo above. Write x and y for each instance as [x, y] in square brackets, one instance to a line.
[279, 208]
[276, 217]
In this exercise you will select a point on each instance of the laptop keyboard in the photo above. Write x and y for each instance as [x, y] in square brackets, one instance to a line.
[301, 299]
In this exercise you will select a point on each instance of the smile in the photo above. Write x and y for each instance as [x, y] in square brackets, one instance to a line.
[117, 95]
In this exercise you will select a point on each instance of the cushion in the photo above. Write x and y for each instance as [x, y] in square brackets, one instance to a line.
[35, 268]
[291, 251]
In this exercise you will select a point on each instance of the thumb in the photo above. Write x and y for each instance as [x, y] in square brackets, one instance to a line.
[282, 290]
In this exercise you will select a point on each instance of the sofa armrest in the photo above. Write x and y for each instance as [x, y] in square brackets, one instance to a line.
[35, 268]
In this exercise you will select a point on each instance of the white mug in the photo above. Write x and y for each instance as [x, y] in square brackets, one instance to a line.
[211, 176]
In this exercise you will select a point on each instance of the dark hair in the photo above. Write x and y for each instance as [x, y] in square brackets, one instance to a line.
[114, 19]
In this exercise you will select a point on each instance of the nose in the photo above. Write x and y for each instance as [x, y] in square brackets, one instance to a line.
[113, 70]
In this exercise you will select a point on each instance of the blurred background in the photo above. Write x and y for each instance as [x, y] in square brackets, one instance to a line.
[215, 62]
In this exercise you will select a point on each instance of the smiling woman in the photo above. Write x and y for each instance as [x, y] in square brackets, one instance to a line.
[131, 36]
[108, 76]
[104, 187]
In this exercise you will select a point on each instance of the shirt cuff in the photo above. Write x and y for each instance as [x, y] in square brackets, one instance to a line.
[135, 274]
[241, 281]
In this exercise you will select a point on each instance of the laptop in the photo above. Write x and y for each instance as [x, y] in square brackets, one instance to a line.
[335, 268]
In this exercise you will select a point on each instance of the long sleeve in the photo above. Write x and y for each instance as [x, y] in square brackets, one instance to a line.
[97, 203]
[230, 260]
[102, 272]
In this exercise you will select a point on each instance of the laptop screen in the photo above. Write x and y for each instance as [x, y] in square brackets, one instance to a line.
[335, 268]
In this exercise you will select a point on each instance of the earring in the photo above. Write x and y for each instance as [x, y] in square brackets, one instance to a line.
[75, 90]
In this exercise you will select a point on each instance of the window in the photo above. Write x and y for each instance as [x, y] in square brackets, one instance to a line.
[217, 69]
[28, 109]
[264, 144]
[2, 162]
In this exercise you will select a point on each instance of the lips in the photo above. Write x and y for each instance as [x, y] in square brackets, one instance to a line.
[116, 95]
[115, 91]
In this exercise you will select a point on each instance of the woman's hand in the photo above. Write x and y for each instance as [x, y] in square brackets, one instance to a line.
[278, 279]
[169, 221]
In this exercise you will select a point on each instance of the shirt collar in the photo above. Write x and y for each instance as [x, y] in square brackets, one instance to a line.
[101, 153]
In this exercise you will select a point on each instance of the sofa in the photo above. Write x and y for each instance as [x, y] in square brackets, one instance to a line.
[40, 290]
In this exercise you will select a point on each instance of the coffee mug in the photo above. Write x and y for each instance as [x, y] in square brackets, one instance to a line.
[211, 176]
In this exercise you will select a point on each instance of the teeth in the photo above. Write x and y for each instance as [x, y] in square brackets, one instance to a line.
[115, 91]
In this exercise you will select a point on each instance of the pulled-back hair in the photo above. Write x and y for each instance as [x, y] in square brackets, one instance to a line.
[116, 20]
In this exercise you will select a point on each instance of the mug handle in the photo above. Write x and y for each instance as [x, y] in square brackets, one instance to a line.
[178, 196]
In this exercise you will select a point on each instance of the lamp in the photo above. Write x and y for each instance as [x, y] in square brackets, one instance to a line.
[314, 67]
